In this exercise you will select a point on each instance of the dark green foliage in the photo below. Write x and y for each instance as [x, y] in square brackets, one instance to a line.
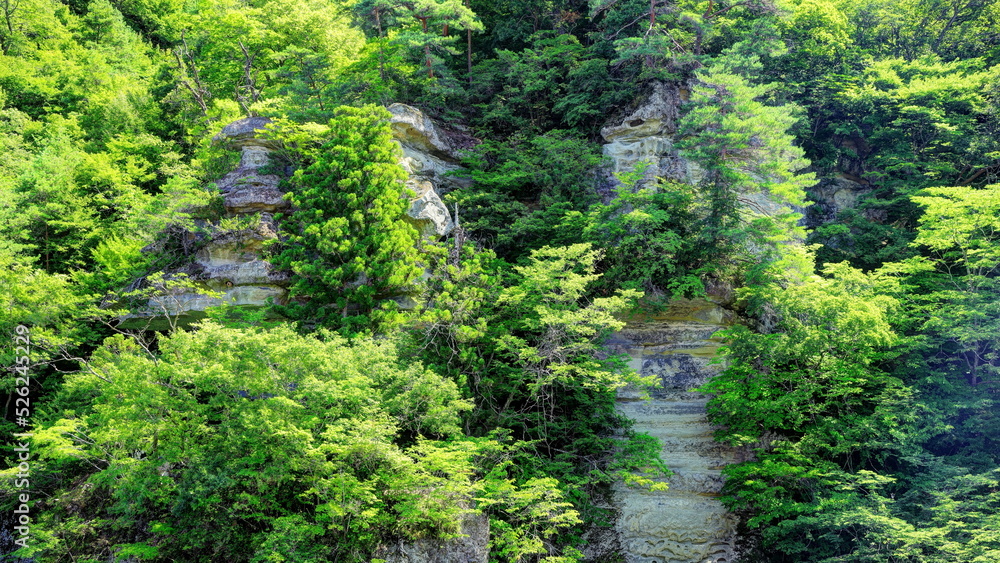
[750, 171]
[873, 417]
[524, 190]
[650, 237]
[811, 395]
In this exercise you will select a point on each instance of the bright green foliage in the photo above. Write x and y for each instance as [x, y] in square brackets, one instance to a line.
[952, 293]
[671, 37]
[960, 230]
[811, 394]
[871, 397]
[873, 447]
[254, 445]
[348, 245]
[823, 338]
[231, 58]
[548, 294]
[46, 303]
[933, 110]
[896, 127]
[528, 354]
[912, 28]
[526, 517]
[415, 42]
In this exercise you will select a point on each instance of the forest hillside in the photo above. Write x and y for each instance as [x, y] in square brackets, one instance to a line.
[298, 280]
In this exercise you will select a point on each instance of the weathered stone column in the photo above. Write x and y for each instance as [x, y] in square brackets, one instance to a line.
[687, 523]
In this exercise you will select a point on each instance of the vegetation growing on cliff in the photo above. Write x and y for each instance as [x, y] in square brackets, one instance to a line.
[866, 386]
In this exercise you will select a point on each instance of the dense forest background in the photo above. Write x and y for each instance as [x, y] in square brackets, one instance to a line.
[865, 376]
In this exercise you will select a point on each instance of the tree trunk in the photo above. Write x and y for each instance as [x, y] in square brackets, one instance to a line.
[427, 47]
[381, 55]
[468, 47]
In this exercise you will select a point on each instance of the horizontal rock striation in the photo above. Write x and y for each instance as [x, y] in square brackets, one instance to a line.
[686, 523]
[230, 265]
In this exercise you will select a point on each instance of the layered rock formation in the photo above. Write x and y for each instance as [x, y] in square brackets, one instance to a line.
[647, 135]
[230, 266]
[429, 157]
[686, 523]
[471, 547]
[245, 189]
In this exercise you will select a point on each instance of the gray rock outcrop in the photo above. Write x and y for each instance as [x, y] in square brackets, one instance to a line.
[472, 547]
[430, 157]
[686, 523]
[233, 257]
[246, 189]
[427, 212]
[831, 196]
[647, 135]
[229, 267]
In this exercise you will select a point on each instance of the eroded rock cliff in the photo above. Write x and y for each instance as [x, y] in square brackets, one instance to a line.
[230, 265]
[647, 135]
[686, 523]
[429, 156]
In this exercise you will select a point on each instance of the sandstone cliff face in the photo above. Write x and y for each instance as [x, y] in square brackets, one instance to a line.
[428, 157]
[229, 268]
[246, 189]
[686, 523]
[472, 547]
[648, 135]
[231, 264]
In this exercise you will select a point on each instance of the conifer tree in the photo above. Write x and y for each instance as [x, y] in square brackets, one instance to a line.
[348, 245]
[744, 148]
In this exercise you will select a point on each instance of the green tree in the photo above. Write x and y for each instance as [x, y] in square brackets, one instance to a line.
[435, 19]
[523, 189]
[224, 439]
[649, 237]
[348, 246]
[910, 29]
[812, 395]
[750, 163]
[556, 82]
[960, 230]
[951, 290]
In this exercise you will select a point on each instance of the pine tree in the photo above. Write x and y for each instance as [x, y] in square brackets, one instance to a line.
[348, 246]
[744, 148]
